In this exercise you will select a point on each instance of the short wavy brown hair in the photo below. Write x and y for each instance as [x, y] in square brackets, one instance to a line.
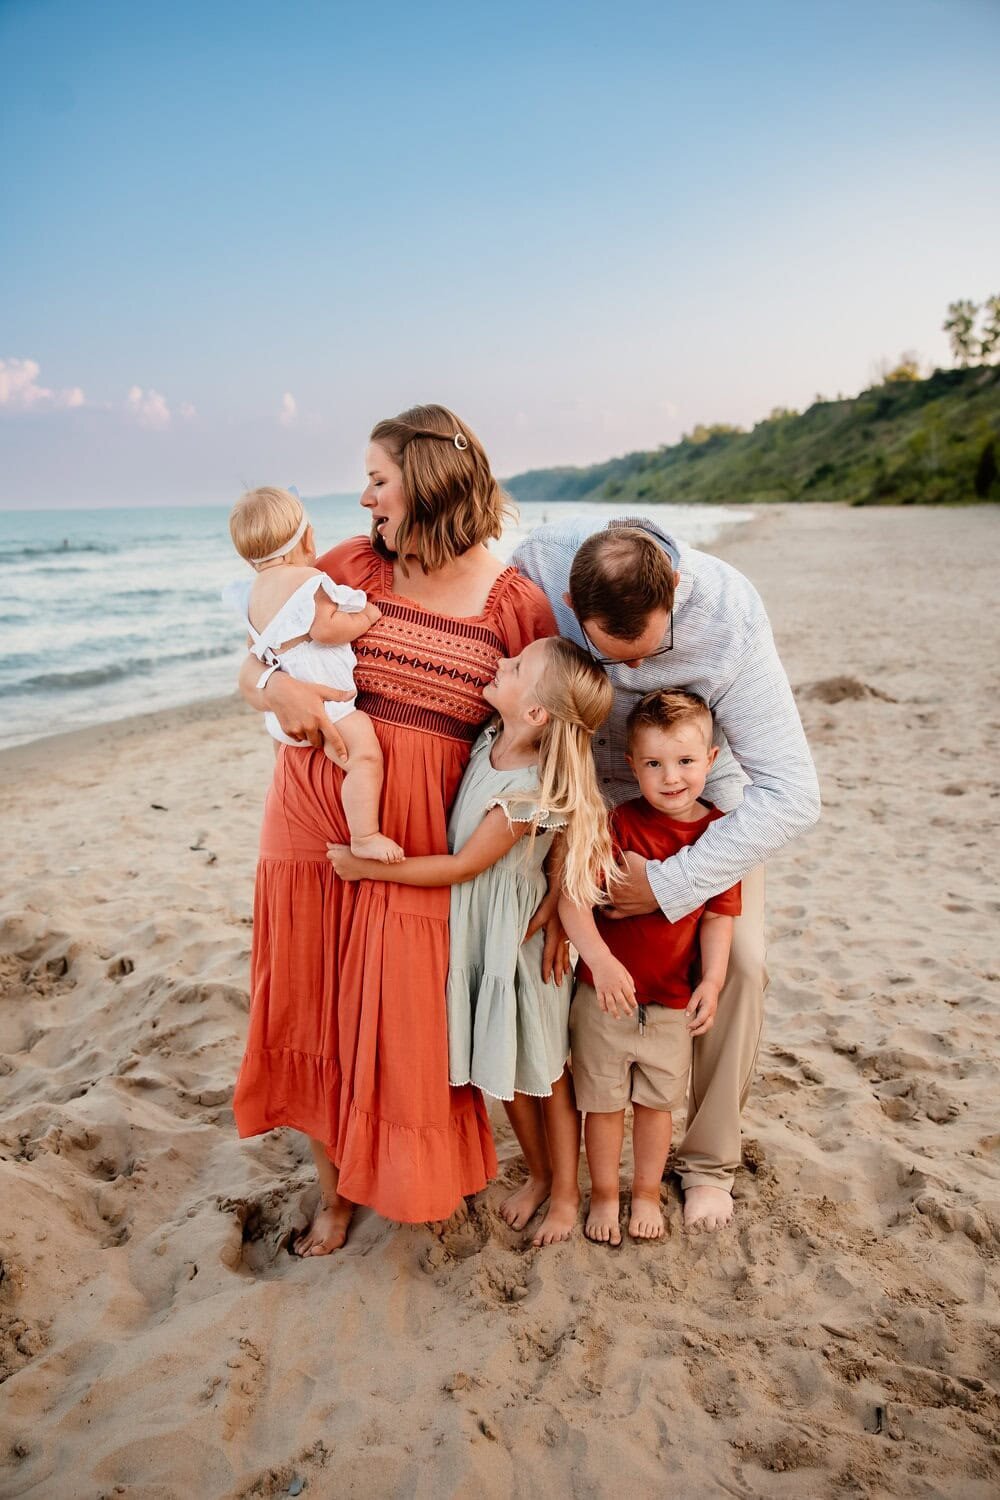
[619, 576]
[665, 708]
[453, 501]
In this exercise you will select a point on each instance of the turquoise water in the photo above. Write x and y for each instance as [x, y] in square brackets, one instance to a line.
[107, 613]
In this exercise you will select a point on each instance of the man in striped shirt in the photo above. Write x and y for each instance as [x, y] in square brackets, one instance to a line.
[658, 614]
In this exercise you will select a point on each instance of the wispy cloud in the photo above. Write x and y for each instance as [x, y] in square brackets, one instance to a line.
[289, 410]
[149, 408]
[20, 389]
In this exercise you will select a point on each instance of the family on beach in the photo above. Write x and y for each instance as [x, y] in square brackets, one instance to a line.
[483, 765]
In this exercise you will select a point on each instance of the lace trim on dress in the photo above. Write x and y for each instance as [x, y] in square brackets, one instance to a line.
[540, 816]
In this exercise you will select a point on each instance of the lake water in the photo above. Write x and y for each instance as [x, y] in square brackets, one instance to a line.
[108, 613]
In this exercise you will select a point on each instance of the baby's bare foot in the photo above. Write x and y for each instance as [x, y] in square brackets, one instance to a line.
[602, 1222]
[707, 1207]
[377, 846]
[524, 1202]
[559, 1222]
[646, 1219]
[328, 1230]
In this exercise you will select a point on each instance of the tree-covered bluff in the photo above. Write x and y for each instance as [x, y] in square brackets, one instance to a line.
[906, 441]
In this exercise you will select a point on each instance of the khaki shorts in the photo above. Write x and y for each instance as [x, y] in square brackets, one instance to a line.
[618, 1060]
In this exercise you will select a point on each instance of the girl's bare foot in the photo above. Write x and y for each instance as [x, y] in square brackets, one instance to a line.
[646, 1219]
[559, 1222]
[328, 1230]
[525, 1202]
[377, 846]
[707, 1207]
[602, 1222]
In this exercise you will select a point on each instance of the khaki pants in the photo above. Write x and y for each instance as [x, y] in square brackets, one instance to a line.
[725, 1058]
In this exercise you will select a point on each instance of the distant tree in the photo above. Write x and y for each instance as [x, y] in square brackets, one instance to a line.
[959, 326]
[781, 413]
[703, 433]
[907, 369]
[989, 338]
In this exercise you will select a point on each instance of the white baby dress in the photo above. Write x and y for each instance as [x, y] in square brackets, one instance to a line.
[309, 661]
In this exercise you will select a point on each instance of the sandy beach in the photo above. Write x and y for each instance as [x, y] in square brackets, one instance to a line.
[158, 1342]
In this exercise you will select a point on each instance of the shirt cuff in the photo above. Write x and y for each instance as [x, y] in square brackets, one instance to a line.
[671, 888]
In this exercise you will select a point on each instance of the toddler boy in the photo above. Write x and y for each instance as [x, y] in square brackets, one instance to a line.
[634, 1012]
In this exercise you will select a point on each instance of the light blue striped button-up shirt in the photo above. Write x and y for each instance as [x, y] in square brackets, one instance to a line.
[764, 778]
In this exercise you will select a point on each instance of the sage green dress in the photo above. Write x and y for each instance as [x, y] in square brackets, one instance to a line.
[508, 1032]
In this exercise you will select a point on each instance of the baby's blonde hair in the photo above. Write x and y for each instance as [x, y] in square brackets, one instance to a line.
[263, 520]
[578, 698]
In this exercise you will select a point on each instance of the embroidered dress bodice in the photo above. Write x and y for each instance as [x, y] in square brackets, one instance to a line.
[426, 670]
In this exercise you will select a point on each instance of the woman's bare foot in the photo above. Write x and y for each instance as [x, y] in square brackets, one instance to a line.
[377, 846]
[707, 1208]
[646, 1219]
[602, 1222]
[328, 1230]
[559, 1222]
[525, 1201]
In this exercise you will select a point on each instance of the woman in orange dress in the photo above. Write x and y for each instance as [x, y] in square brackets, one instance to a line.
[348, 1035]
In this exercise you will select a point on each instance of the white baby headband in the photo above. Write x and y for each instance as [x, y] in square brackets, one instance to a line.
[282, 551]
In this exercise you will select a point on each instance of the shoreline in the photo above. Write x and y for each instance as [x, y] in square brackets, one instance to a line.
[155, 1336]
[16, 758]
[185, 647]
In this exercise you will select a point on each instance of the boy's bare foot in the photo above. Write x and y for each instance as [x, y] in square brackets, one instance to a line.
[525, 1202]
[377, 846]
[559, 1222]
[707, 1208]
[646, 1219]
[602, 1222]
[328, 1230]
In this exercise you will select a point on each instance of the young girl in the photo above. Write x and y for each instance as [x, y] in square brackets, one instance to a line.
[301, 622]
[530, 774]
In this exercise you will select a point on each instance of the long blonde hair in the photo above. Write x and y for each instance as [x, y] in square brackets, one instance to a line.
[577, 697]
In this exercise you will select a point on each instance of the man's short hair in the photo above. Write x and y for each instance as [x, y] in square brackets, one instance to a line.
[665, 709]
[618, 578]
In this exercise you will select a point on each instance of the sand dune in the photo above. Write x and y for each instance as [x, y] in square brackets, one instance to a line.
[157, 1341]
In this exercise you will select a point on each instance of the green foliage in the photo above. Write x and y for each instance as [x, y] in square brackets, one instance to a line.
[986, 471]
[959, 325]
[989, 337]
[702, 434]
[907, 369]
[906, 442]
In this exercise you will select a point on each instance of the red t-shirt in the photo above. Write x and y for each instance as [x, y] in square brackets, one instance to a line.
[658, 954]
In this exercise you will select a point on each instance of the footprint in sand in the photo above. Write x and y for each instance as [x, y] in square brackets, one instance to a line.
[260, 1228]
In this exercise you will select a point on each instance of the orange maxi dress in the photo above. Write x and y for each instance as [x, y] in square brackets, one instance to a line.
[348, 1035]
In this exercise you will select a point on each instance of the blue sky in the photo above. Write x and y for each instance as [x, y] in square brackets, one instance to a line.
[235, 235]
